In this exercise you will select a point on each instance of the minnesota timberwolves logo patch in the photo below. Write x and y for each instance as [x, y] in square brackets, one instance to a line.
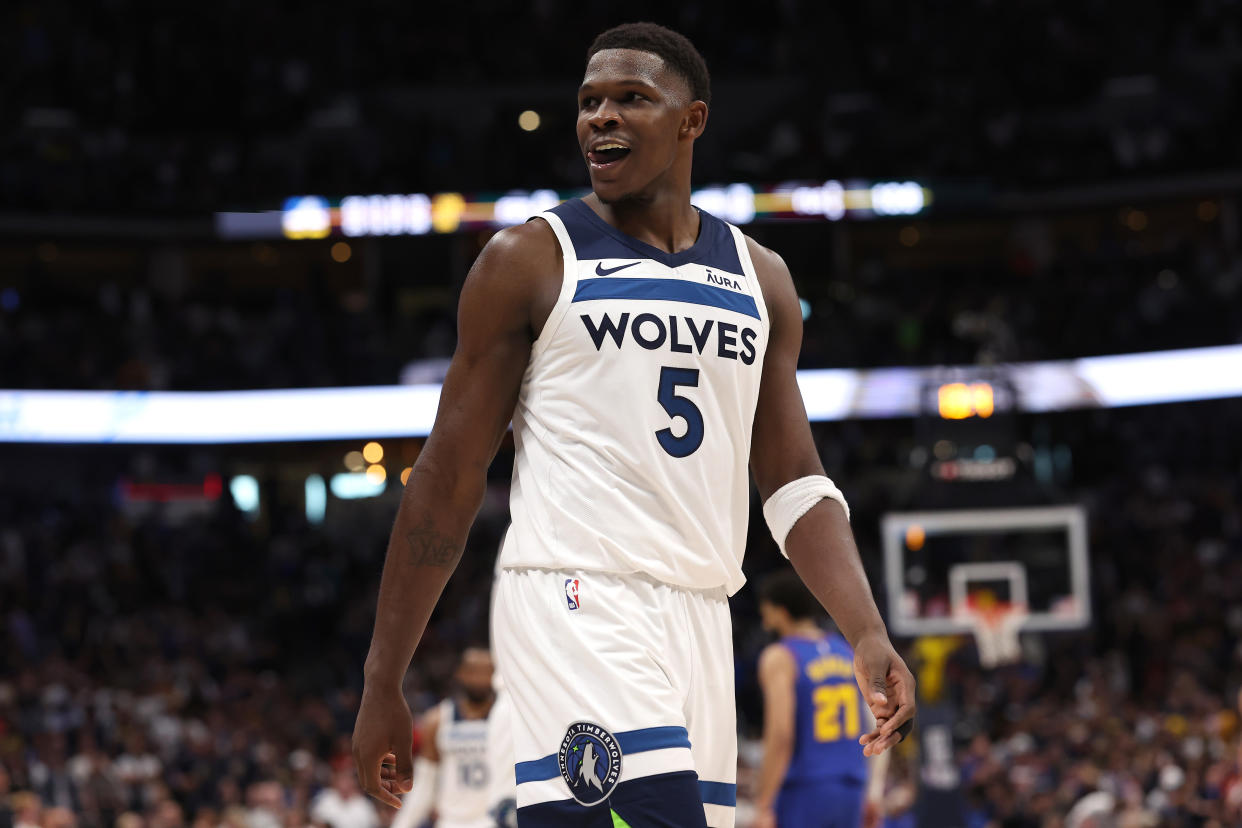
[590, 761]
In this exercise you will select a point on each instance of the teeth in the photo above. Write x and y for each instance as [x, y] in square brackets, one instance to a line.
[610, 147]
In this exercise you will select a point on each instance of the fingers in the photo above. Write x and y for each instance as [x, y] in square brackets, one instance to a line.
[871, 673]
[889, 732]
[371, 778]
[404, 778]
[889, 690]
[880, 704]
[881, 744]
[902, 693]
[904, 716]
[872, 735]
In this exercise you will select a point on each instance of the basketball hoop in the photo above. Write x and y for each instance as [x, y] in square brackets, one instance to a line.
[996, 625]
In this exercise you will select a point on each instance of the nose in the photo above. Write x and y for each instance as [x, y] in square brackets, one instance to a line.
[605, 115]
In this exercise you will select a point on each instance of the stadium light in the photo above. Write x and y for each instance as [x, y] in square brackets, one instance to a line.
[418, 214]
[376, 412]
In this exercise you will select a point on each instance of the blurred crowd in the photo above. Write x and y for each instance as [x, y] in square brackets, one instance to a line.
[1048, 296]
[162, 669]
[171, 323]
[1139, 720]
[156, 108]
[137, 337]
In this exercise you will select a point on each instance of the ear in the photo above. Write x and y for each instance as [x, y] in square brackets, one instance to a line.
[694, 121]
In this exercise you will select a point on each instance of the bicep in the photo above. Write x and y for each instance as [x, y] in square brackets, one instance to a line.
[782, 447]
[493, 347]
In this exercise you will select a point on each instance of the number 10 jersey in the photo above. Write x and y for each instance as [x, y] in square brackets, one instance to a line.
[634, 418]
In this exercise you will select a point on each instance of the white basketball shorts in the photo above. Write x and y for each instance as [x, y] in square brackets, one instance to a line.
[631, 673]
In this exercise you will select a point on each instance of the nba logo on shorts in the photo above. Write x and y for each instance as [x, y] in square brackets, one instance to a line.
[571, 592]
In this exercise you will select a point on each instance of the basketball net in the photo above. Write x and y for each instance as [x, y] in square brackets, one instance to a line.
[996, 625]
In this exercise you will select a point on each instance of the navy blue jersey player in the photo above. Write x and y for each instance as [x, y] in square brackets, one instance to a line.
[814, 773]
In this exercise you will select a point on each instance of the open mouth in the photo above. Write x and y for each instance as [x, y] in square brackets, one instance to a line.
[605, 155]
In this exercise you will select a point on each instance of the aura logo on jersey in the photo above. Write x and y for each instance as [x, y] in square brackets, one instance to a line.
[590, 762]
[678, 334]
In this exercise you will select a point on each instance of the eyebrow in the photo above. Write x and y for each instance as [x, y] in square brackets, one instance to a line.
[630, 81]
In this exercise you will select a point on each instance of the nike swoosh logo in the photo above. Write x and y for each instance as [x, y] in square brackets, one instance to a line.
[600, 270]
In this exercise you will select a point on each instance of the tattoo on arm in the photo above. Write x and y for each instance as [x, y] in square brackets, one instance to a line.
[431, 548]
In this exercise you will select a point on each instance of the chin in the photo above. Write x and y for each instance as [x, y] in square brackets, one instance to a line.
[617, 190]
[609, 192]
[613, 194]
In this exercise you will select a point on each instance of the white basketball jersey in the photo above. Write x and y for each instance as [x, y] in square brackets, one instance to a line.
[634, 418]
[463, 797]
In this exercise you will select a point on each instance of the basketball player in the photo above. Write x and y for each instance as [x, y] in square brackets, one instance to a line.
[646, 353]
[453, 773]
[813, 774]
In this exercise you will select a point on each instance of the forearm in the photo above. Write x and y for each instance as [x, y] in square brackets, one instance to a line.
[777, 753]
[417, 804]
[821, 549]
[877, 770]
[428, 536]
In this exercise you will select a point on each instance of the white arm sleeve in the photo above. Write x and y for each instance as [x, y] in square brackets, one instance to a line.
[793, 500]
[416, 806]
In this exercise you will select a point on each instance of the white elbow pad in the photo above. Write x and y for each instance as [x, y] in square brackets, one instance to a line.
[793, 500]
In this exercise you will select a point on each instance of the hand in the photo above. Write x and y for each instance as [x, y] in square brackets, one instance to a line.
[888, 686]
[764, 818]
[382, 738]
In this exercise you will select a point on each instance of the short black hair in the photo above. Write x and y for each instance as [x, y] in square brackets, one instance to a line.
[675, 49]
[785, 589]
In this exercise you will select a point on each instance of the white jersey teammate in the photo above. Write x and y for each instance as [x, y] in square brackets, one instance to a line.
[457, 766]
[646, 353]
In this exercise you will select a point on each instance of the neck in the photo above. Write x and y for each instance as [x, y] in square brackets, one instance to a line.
[663, 219]
[475, 710]
[802, 629]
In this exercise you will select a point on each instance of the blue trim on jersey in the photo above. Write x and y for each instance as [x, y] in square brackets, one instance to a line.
[594, 238]
[668, 290]
[631, 741]
[718, 793]
[537, 770]
[653, 738]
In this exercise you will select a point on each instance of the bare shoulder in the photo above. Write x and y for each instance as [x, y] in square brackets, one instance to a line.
[430, 722]
[775, 661]
[768, 263]
[775, 280]
[529, 248]
[516, 279]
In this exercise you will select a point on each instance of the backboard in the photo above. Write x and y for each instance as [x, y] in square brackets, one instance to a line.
[936, 561]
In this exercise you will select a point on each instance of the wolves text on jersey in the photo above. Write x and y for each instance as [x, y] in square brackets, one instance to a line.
[654, 332]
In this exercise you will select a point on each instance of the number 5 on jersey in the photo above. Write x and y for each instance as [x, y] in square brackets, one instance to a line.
[678, 406]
